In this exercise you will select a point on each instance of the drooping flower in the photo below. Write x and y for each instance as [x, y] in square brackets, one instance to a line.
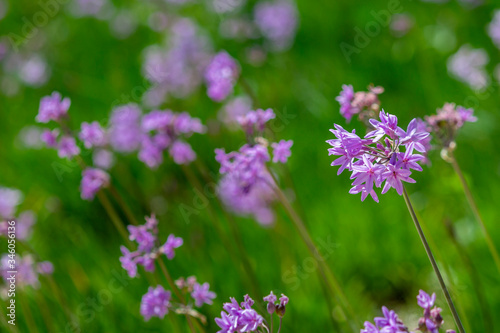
[378, 157]
[93, 180]
[53, 107]
[221, 75]
[155, 303]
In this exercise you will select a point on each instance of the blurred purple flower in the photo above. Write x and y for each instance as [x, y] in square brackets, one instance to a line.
[9, 200]
[202, 295]
[221, 75]
[53, 107]
[92, 134]
[468, 66]
[155, 303]
[281, 151]
[67, 147]
[125, 132]
[93, 180]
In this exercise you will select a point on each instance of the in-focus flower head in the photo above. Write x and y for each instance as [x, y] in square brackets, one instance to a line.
[378, 157]
[221, 75]
[53, 107]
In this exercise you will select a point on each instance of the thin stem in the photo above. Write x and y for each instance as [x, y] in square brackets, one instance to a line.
[123, 205]
[279, 329]
[272, 330]
[113, 216]
[433, 263]
[299, 224]
[475, 210]
[176, 290]
[249, 91]
[234, 230]
[28, 316]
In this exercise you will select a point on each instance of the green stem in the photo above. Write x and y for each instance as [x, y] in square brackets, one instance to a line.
[28, 316]
[249, 272]
[475, 210]
[113, 215]
[249, 91]
[123, 205]
[324, 270]
[433, 263]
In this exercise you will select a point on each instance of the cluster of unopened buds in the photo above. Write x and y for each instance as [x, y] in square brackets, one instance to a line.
[431, 322]
[246, 186]
[379, 157]
[364, 104]
[445, 124]
[243, 318]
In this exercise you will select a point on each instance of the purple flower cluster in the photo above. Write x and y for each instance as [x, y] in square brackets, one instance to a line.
[53, 107]
[125, 129]
[378, 157]
[221, 75]
[28, 270]
[278, 22]
[146, 237]
[155, 303]
[494, 28]
[390, 323]
[24, 225]
[365, 104]
[163, 130]
[93, 180]
[445, 124]
[246, 186]
[468, 66]
[9, 200]
[92, 135]
[242, 318]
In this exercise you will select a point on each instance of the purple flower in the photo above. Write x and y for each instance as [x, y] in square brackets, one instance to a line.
[92, 135]
[53, 107]
[9, 200]
[171, 244]
[202, 294]
[271, 299]
[93, 180]
[181, 152]
[103, 159]
[128, 262]
[370, 328]
[221, 75]
[255, 121]
[50, 137]
[494, 28]
[238, 319]
[425, 301]
[142, 236]
[155, 303]
[345, 98]
[233, 109]
[45, 268]
[281, 151]
[67, 147]
[468, 66]
[378, 157]
[278, 22]
[125, 132]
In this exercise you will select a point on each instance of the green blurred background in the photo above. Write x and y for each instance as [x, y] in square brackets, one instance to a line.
[377, 256]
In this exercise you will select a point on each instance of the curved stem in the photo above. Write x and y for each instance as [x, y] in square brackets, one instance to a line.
[123, 205]
[113, 215]
[433, 263]
[279, 329]
[475, 210]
